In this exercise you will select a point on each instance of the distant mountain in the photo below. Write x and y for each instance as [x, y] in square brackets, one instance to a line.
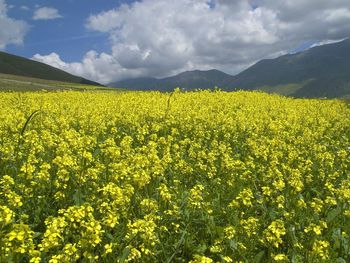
[197, 79]
[188, 80]
[15, 65]
[322, 71]
[139, 84]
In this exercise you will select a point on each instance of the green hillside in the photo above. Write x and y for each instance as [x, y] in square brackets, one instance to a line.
[322, 71]
[15, 65]
[20, 83]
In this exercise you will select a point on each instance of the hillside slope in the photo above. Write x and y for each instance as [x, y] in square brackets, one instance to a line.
[15, 65]
[188, 80]
[322, 71]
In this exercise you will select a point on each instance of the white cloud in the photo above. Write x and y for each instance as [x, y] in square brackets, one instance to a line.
[100, 67]
[12, 31]
[164, 37]
[325, 42]
[52, 59]
[24, 7]
[46, 13]
[337, 15]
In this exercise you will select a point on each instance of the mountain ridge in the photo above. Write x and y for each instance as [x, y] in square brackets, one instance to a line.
[321, 71]
[204, 79]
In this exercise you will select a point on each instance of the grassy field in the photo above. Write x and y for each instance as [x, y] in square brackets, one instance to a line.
[26, 84]
[346, 99]
[182, 177]
[287, 89]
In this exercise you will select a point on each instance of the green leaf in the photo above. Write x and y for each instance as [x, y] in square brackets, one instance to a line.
[125, 254]
[37, 234]
[78, 197]
[340, 260]
[333, 214]
[233, 245]
[291, 234]
[259, 257]
[110, 236]
[296, 258]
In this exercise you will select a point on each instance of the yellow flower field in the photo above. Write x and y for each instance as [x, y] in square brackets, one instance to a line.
[183, 177]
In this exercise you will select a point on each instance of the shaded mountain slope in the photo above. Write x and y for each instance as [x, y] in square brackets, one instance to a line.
[15, 65]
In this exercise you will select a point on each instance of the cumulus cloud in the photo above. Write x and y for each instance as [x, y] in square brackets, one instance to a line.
[46, 13]
[101, 67]
[163, 37]
[12, 31]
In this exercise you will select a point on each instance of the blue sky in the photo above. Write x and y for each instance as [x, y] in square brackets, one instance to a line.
[68, 35]
[110, 40]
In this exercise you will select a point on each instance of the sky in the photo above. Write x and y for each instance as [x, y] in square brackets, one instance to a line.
[110, 40]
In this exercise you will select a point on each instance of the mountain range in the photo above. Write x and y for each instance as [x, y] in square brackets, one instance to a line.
[188, 80]
[15, 65]
[322, 71]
